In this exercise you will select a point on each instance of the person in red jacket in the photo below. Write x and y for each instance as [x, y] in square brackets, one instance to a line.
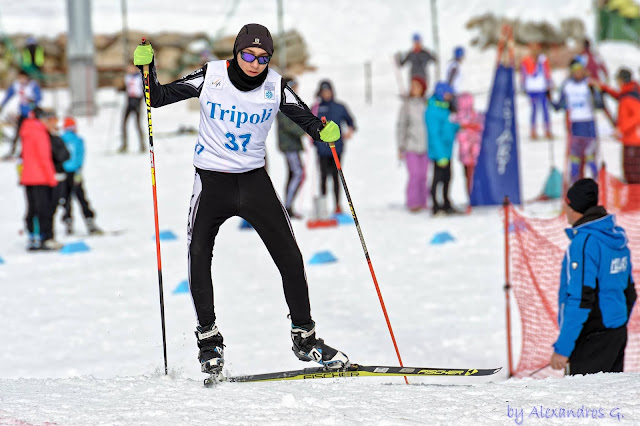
[628, 123]
[38, 178]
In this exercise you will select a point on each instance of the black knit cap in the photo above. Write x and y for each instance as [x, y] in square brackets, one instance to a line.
[582, 195]
[624, 74]
[324, 85]
[253, 35]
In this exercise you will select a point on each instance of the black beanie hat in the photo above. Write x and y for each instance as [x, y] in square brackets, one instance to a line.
[582, 195]
[324, 84]
[624, 74]
[253, 35]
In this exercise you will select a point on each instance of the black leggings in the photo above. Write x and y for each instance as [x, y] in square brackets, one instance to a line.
[40, 207]
[133, 106]
[218, 196]
[70, 189]
[441, 175]
[14, 141]
[328, 166]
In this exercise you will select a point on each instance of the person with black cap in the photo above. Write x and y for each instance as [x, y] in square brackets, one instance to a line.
[328, 107]
[239, 99]
[597, 292]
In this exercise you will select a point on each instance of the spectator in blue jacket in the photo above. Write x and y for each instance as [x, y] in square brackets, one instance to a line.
[597, 291]
[29, 97]
[337, 112]
[441, 135]
[72, 184]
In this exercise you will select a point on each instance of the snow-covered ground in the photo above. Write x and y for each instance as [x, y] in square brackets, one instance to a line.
[81, 340]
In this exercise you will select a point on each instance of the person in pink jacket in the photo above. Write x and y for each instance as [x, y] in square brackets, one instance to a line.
[469, 136]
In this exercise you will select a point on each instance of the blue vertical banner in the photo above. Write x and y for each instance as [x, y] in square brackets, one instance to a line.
[497, 173]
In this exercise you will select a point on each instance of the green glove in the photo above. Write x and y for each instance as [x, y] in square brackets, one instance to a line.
[443, 162]
[143, 55]
[330, 133]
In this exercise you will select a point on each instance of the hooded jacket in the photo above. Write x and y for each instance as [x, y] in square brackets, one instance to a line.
[596, 286]
[37, 159]
[441, 132]
[471, 125]
[336, 112]
[411, 132]
[75, 146]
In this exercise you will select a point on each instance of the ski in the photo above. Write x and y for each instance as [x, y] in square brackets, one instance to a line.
[356, 370]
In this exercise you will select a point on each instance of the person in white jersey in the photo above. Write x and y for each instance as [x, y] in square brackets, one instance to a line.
[239, 100]
[580, 99]
[135, 93]
[29, 97]
[454, 70]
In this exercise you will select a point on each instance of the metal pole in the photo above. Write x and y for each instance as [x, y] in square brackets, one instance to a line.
[125, 34]
[507, 280]
[80, 51]
[435, 36]
[368, 97]
[282, 51]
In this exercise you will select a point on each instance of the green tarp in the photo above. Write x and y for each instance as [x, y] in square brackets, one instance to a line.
[613, 26]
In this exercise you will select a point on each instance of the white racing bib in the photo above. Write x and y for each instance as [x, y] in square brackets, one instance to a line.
[234, 124]
[579, 103]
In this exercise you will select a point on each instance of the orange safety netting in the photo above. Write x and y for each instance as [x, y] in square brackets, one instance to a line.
[536, 249]
[616, 195]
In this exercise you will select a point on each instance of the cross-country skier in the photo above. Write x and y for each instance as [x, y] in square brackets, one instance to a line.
[29, 96]
[580, 99]
[239, 100]
[419, 58]
[135, 93]
[535, 74]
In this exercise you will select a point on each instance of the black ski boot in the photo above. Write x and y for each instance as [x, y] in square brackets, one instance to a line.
[308, 348]
[211, 355]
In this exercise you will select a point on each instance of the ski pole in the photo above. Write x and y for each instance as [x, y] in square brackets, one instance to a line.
[364, 247]
[147, 95]
[539, 370]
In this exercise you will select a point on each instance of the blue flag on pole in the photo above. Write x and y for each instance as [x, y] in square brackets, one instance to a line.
[497, 173]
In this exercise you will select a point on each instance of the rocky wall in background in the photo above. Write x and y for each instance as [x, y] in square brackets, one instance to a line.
[177, 54]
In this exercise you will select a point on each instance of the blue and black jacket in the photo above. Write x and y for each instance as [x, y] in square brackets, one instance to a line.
[338, 113]
[596, 286]
[75, 146]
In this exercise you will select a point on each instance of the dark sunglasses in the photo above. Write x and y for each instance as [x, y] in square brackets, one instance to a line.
[248, 57]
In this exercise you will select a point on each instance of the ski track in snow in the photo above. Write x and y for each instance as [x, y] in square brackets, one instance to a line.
[156, 399]
[81, 342]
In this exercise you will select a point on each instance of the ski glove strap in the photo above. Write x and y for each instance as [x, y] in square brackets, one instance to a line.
[330, 133]
[143, 55]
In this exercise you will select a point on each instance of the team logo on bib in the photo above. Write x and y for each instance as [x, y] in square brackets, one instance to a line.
[216, 82]
[269, 88]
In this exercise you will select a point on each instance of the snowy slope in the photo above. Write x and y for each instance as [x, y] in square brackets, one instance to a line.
[80, 334]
